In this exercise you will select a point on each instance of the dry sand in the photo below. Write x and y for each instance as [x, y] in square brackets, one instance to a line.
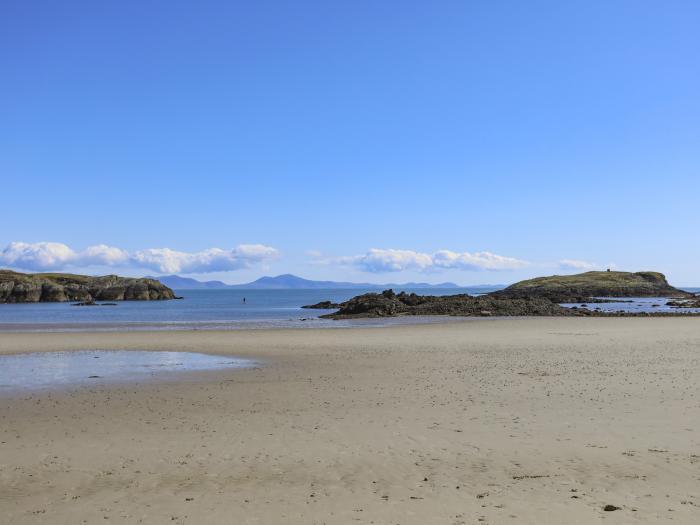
[486, 421]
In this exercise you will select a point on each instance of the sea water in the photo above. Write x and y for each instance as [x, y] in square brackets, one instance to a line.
[199, 309]
[226, 309]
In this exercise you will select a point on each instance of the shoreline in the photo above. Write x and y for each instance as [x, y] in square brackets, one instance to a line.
[250, 339]
[308, 323]
[229, 326]
[536, 420]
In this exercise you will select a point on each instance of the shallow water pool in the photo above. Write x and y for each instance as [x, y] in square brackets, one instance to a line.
[46, 370]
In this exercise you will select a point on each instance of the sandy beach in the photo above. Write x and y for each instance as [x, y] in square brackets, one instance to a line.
[544, 420]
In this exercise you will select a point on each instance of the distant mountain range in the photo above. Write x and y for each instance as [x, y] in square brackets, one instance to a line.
[292, 282]
[185, 283]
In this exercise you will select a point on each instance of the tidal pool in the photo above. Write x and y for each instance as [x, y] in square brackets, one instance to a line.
[47, 370]
[634, 305]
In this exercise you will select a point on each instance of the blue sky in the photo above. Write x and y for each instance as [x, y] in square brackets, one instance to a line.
[477, 142]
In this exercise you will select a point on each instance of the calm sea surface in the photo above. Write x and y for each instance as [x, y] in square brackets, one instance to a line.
[200, 309]
[225, 309]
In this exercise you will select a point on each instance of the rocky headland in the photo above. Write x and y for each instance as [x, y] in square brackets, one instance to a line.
[585, 287]
[18, 287]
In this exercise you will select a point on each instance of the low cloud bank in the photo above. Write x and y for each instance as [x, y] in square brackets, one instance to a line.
[54, 256]
[576, 265]
[389, 260]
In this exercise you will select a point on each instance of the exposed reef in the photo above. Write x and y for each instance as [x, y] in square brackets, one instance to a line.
[685, 303]
[390, 304]
[323, 305]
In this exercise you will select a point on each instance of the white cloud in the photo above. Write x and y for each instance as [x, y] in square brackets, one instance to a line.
[389, 260]
[255, 252]
[378, 261]
[165, 260]
[37, 256]
[44, 256]
[41, 256]
[103, 255]
[584, 266]
[573, 264]
[476, 261]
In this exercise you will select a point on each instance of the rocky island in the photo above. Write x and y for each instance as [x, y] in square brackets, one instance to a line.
[533, 297]
[18, 287]
[585, 287]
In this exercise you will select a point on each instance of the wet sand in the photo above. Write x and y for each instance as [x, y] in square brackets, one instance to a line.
[510, 421]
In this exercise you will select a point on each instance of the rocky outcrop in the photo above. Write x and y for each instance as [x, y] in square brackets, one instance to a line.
[685, 303]
[18, 287]
[586, 286]
[390, 304]
[323, 305]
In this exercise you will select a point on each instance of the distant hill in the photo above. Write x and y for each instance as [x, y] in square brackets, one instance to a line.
[289, 282]
[186, 283]
[293, 282]
[582, 286]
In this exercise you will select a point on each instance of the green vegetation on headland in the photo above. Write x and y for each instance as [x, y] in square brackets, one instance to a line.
[18, 287]
[534, 297]
[585, 286]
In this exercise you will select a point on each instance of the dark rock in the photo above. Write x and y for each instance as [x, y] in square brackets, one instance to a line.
[688, 303]
[390, 304]
[610, 508]
[323, 305]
